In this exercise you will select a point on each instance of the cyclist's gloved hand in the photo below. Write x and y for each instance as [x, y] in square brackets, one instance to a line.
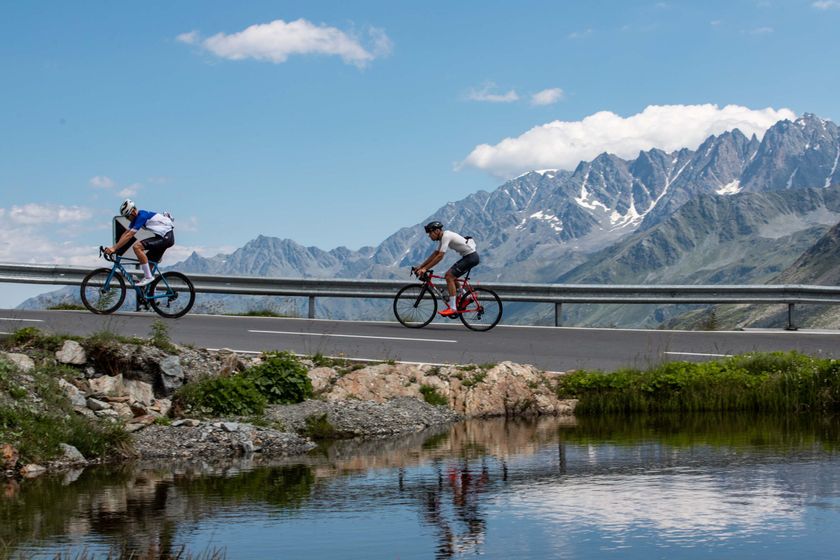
[109, 250]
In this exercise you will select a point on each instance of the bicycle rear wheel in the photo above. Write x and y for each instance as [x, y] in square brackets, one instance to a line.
[172, 295]
[482, 309]
[415, 306]
[100, 295]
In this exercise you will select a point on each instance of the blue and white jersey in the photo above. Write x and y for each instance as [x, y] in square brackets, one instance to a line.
[159, 224]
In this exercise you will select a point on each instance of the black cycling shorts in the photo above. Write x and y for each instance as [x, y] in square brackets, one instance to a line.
[464, 265]
[155, 246]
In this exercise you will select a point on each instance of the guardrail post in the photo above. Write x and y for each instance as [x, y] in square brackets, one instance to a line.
[311, 307]
[558, 314]
[790, 325]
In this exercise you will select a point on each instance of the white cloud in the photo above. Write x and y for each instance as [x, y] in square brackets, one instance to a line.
[580, 34]
[826, 4]
[130, 190]
[31, 214]
[26, 234]
[563, 144]
[190, 38]
[277, 40]
[102, 182]
[488, 93]
[547, 96]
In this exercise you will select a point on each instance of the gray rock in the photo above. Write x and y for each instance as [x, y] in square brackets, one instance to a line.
[353, 418]
[230, 427]
[73, 393]
[139, 391]
[71, 353]
[108, 385]
[209, 441]
[21, 361]
[71, 454]
[171, 374]
[96, 405]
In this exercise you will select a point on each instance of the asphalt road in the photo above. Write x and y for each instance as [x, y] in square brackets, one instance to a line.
[550, 348]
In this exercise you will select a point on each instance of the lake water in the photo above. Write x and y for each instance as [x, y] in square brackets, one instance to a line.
[656, 487]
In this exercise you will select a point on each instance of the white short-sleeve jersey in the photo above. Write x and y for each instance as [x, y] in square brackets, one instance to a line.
[460, 244]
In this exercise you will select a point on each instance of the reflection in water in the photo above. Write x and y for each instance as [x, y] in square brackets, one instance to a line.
[499, 488]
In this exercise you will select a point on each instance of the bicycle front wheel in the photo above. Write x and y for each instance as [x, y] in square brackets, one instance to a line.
[172, 295]
[415, 306]
[482, 309]
[101, 295]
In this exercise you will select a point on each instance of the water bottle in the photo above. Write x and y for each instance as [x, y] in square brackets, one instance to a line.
[444, 296]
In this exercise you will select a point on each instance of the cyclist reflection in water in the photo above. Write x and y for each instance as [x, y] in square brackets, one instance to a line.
[464, 246]
[466, 487]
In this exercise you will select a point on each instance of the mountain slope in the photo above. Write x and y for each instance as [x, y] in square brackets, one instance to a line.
[542, 225]
[713, 239]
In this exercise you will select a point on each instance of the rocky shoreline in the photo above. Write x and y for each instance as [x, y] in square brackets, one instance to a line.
[135, 385]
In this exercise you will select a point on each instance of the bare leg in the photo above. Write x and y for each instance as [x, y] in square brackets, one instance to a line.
[144, 261]
[450, 283]
[140, 252]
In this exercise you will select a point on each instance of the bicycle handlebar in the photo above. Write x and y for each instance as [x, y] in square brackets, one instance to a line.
[426, 275]
[105, 255]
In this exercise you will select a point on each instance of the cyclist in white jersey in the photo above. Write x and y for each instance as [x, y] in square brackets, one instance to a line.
[464, 246]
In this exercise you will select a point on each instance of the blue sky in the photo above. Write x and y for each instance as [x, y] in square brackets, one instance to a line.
[337, 123]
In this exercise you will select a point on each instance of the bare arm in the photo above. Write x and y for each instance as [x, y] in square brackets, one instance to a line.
[124, 238]
[433, 259]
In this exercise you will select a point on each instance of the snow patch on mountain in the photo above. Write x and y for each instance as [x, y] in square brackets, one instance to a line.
[733, 187]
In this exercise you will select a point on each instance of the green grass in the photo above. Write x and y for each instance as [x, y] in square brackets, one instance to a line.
[768, 382]
[36, 418]
[66, 307]
[279, 379]
[432, 396]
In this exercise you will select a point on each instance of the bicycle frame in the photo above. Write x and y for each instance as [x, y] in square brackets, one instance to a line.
[142, 295]
[460, 283]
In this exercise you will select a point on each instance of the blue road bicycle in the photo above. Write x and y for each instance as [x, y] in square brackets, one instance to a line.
[170, 294]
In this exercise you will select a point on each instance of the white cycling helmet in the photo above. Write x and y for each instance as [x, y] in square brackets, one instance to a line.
[126, 207]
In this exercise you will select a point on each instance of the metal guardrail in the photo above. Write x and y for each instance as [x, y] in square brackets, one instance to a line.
[558, 294]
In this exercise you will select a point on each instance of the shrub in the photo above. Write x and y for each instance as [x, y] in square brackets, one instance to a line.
[236, 395]
[771, 382]
[281, 378]
[431, 396]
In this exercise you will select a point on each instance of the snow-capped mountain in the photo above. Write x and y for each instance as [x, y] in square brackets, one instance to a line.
[548, 225]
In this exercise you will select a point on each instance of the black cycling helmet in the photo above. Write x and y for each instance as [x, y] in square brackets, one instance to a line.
[432, 226]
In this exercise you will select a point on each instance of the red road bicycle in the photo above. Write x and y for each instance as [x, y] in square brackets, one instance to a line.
[415, 305]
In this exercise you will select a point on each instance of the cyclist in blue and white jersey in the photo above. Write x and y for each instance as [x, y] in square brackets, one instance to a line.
[160, 224]
[464, 246]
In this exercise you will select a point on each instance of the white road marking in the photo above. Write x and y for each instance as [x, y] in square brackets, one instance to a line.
[699, 354]
[355, 336]
[18, 319]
